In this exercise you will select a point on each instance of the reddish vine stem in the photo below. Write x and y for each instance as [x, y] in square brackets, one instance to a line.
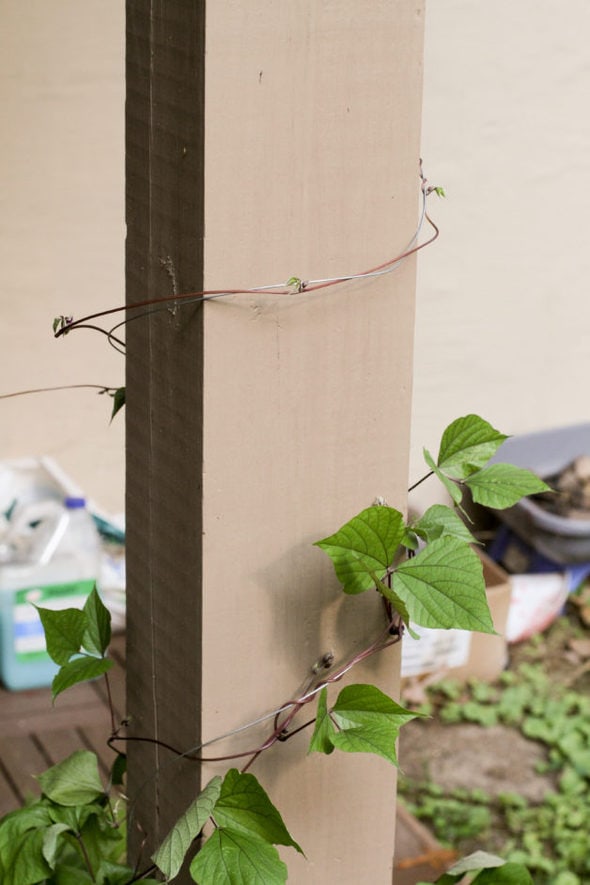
[93, 328]
[83, 322]
[279, 732]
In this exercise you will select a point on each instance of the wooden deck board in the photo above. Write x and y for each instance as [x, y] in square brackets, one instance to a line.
[22, 759]
[35, 734]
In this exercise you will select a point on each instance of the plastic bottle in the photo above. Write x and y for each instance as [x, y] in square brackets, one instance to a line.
[49, 557]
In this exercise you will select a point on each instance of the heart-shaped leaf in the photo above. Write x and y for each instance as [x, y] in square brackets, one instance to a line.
[244, 806]
[440, 521]
[467, 444]
[234, 856]
[324, 728]
[503, 485]
[64, 630]
[74, 781]
[452, 488]
[97, 635]
[366, 544]
[443, 587]
[170, 855]
[79, 670]
[363, 720]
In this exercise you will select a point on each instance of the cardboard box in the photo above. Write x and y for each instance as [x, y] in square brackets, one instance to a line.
[461, 654]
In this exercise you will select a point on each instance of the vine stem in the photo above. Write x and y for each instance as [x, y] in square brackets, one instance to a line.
[84, 322]
[420, 481]
[137, 877]
[103, 388]
[278, 733]
[85, 856]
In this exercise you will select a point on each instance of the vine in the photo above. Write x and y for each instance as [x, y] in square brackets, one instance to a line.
[425, 572]
[63, 325]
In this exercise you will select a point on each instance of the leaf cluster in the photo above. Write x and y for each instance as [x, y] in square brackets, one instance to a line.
[71, 835]
[426, 573]
[441, 586]
[77, 640]
[241, 849]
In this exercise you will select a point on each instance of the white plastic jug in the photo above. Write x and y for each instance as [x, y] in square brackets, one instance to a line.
[50, 556]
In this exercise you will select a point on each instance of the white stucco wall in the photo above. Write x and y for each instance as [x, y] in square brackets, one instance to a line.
[503, 309]
[61, 231]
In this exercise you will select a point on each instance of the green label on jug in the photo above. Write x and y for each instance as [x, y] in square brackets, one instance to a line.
[28, 635]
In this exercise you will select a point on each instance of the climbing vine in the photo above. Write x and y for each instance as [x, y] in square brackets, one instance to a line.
[424, 571]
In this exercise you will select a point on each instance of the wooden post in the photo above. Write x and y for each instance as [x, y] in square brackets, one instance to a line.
[264, 141]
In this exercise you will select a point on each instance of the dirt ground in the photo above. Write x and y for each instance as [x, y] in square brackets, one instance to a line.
[496, 758]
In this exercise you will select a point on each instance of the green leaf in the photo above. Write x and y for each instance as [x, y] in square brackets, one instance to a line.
[51, 841]
[493, 871]
[244, 806]
[118, 401]
[103, 842]
[79, 670]
[170, 855]
[115, 874]
[440, 521]
[74, 817]
[443, 587]
[64, 630]
[60, 323]
[452, 488]
[237, 858]
[368, 721]
[119, 769]
[479, 860]
[366, 544]
[97, 635]
[363, 720]
[503, 485]
[294, 283]
[468, 444]
[30, 817]
[19, 850]
[509, 874]
[410, 539]
[73, 875]
[25, 864]
[74, 781]
[396, 603]
[321, 739]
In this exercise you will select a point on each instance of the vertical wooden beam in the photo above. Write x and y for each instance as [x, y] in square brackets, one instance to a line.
[265, 140]
[164, 174]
